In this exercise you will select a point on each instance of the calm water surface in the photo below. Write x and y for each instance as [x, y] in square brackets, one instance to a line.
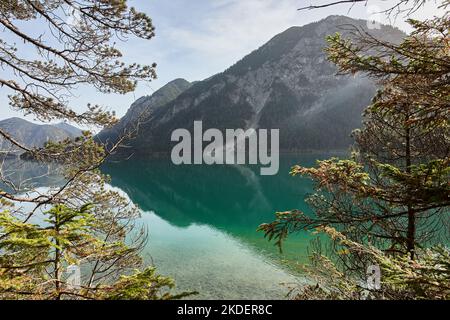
[202, 223]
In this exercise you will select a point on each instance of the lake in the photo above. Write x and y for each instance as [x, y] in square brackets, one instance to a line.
[202, 223]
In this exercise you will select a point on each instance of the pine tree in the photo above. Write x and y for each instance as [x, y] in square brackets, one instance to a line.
[37, 259]
[85, 223]
[394, 191]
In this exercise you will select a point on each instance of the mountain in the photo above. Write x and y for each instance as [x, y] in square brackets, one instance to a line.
[287, 84]
[143, 108]
[73, 131]
[34, 135]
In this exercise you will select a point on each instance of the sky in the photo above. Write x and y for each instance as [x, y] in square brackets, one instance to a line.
[196, 39]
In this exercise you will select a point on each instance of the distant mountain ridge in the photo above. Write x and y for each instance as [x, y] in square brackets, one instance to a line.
[73, 131]
[287, 84]
[34, 135]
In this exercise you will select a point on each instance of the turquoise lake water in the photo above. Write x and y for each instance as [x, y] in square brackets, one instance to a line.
[202, 223]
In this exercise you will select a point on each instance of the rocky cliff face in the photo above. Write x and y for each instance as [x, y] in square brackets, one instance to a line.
[143, 109]
[286, 84]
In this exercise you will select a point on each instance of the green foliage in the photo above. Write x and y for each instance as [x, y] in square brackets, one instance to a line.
[426, 277]
[86, 54]
[35, 258]
[143, 286]
[55, 230]
[390, 200]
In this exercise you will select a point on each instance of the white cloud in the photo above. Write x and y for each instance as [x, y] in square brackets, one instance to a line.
[397, 18]
[233, 28]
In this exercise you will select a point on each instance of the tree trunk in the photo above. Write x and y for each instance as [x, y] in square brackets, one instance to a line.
[411, 231]
[57, 274]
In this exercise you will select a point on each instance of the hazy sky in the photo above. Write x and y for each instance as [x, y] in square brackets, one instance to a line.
[198, 38]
